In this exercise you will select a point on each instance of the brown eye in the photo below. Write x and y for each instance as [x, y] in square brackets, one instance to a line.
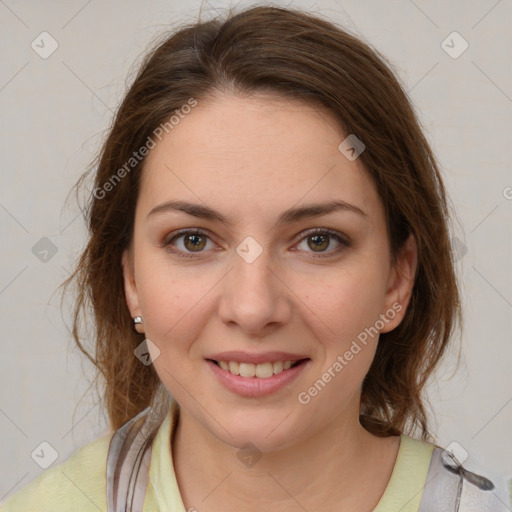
[323, 242]
[194, 242]
[187, 242]
[318, 242]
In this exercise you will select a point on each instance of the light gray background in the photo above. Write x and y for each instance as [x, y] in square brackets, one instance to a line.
[54, 112]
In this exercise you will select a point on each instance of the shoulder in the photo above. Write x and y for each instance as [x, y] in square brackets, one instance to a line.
[428, 478]
[451, 486]
[77, 484]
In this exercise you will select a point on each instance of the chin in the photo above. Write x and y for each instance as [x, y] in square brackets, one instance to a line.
[265, 430]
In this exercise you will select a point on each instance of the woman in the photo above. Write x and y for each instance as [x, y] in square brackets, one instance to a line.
[269, 246]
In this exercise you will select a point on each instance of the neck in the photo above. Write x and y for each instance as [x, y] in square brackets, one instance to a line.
[342, 464]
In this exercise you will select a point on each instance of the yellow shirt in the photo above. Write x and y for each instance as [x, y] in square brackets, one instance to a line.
[79, 484]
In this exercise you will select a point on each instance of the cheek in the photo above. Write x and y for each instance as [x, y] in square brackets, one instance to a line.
[348, 307]
[172, 301]
[345, 302]
[174, 316]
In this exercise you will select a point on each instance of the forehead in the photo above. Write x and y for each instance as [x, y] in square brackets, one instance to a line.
[253, 155]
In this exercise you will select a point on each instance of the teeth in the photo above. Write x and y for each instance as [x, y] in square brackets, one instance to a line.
[277, 367]
[247, 370]
[261, 371]
[234, 368]
[265, 370]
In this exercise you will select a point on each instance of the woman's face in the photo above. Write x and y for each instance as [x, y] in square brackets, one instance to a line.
[263, 281]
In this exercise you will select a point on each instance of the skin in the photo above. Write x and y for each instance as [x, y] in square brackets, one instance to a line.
[251, 158]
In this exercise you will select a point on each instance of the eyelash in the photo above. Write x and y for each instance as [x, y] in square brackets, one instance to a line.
[344, 243]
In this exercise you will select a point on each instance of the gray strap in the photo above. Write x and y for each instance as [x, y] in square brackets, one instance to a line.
[442, 487]
[128, 462]
[450, 487]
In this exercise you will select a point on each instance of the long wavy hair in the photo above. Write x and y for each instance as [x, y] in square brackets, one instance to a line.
[298, 56]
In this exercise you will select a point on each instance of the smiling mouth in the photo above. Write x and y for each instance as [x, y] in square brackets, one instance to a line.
[259, 371]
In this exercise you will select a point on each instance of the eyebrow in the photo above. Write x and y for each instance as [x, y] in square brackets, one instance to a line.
[287, 217]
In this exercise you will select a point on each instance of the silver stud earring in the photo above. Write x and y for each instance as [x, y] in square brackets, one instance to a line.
[137, 324]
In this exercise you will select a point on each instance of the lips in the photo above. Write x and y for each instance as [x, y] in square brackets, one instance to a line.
[257, 375]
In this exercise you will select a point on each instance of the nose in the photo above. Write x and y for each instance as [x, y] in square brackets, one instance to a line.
[255, 297]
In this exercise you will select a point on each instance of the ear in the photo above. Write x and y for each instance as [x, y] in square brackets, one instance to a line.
[400, 284]
[130, 287]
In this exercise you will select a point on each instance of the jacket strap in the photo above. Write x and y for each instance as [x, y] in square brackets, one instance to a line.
[450, 487]
[128, 462]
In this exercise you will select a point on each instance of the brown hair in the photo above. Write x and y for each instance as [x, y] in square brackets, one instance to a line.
[302, 57]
